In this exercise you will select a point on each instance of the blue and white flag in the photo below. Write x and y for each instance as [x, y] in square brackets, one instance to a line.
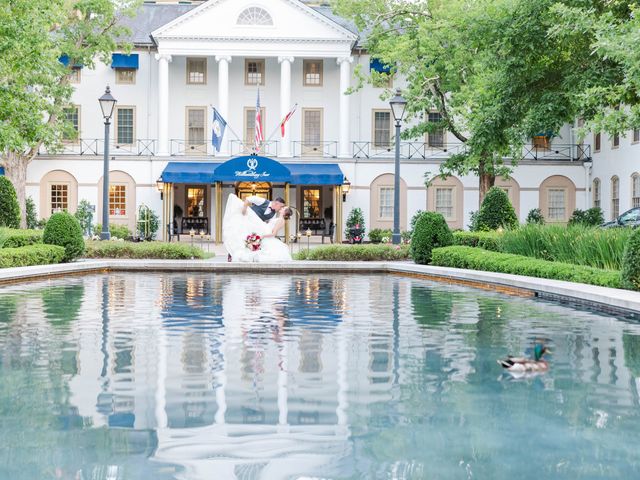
[218, 127]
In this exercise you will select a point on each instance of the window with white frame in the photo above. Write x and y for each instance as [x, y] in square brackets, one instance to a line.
[311, 130]
[126, 76]
[312, 73]
[59, 197]
[125, 125]
[596, 192]
[385, 211]
[635, 190]
[75, 75]
[195, 126]
[117, 200]
[254, 72]
[615, 198]
[557, 204]
[72, 115]
[597, 139]
[615, 141]
[250, 124]
[381, 128]
[444, 202]
[636, 135]
[435, 139]
[196, 71]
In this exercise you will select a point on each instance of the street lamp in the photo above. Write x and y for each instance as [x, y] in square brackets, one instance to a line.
[160, 186]
[346, 187]
[398, 105]
[107, 104]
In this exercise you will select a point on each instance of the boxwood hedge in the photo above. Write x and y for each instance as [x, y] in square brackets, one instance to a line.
[13, 238]
[347, 253]
[31, 255]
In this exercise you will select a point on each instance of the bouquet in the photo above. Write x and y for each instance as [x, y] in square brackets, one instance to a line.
[253, 242]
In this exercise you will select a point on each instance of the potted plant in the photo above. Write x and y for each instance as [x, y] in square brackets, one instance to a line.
[355, 226]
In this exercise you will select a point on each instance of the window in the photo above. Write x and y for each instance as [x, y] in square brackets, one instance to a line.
[541, 142]
[557, 201]
[254, 16]
[196, 204]
[59, 197]
[250, 124]
[75, 75]
[311, 130]
[125, 125]
[311, 203]
[636, 135]
[386, 203]
[126, 76]
[615, 198]
[195, 127]
[312, 73]
[635, 190]
[196, 71]
[253, 72]
[596, 193]
[72, 116]
[444, 202]
[117, 200]
[596, 142]
[381, 128]
[615, 141]
[435, 138]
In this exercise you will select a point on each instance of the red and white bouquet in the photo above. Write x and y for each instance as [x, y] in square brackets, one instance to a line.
[253, 242]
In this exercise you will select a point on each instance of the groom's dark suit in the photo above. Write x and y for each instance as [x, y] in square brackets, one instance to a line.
[263, 210]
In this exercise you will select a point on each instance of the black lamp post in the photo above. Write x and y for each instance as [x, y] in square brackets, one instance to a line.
[398, 105]
[346, 187]
[107, 104]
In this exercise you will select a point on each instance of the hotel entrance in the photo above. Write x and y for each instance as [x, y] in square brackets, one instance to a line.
[253, 189]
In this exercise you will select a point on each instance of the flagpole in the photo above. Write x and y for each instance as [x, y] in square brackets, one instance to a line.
[229, 126]
[280, 124]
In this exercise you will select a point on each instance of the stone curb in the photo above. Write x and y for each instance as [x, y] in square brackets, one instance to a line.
[608, 299]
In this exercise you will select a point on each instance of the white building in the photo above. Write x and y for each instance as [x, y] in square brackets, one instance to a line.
[190, 58]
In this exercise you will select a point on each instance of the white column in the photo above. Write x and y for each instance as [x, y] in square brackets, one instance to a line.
[345, 82]
[163, 103]
[223, 98]
[285, 103]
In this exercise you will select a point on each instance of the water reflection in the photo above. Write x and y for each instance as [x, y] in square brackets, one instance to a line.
[238, 376]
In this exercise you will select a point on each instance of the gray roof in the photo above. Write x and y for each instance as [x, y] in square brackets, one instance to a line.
[151, 16]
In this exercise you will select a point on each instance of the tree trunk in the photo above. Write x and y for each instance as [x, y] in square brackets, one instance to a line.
[486, 180]
[15, 169]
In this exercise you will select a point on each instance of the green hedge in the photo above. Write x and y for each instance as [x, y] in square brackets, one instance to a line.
[377, 234]
[431, 231]
[116, 231]
[13, 238]
[160, 250]
[487, 240]
[479, 259]
[63, 229]
[631, 262]
[346, 253]
[31, 255]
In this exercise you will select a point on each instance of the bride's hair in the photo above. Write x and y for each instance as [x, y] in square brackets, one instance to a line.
[286, 213]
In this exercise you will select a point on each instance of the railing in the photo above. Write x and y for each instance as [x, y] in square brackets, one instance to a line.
[562, 152]
[408, 150]
[269, 149]
[188, 147]
[95, 146]
[320, 149]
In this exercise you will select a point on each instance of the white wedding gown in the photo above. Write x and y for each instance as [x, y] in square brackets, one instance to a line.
[236, 227]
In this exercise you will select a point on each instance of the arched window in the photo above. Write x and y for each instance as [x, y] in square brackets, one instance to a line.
[596, 192]
[557, 199]
[254, 16]
[445, 196]
[381, 198]
[58, 193]
[122, 199]
[635, 190]
[615, 197]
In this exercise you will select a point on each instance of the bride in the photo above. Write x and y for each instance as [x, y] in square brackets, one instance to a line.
[236, 227]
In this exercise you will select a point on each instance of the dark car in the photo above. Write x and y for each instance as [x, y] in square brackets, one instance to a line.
[630, 218]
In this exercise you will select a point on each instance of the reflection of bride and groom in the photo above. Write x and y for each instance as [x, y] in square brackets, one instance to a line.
[255, 215]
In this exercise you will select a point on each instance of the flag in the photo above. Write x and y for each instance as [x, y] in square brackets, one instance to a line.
[218, 127]
[259, 134]
[286, 119]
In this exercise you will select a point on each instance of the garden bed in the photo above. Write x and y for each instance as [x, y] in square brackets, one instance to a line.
[155, 250]
[347, 253]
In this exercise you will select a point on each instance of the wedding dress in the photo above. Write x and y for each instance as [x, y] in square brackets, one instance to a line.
[236, 227]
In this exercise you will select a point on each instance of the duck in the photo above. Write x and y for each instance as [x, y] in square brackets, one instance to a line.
[526, 365]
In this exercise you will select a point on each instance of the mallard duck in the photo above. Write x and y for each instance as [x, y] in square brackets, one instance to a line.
[522, 364]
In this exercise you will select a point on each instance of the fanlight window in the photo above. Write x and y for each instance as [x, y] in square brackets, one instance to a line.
[255, 16]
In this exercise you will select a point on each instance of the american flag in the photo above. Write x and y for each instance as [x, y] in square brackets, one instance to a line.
[259, 134]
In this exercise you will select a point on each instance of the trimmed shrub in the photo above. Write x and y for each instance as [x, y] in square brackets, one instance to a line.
[414, 219]
[631, 262]
[13, 238]
[479, 259]
[32, 217]
[84, 214]
[496, 211]
[355, 221]
[431, 231]
[31, 255]
[487, 240]
[589, 218]
[9, 208]
[377, 234]
[363, 253]
[535, 217]
[63, 229]
[117, 231]
[160, 250]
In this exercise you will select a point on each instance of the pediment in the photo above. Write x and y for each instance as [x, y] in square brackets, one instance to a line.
[262, 19]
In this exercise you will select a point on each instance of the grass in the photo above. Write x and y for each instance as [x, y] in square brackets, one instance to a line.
[151, 250]
[347, 253]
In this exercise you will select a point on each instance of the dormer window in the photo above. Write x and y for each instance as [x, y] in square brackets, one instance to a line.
[255, 16]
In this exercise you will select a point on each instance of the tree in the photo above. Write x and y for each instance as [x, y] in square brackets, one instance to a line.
[34, 84]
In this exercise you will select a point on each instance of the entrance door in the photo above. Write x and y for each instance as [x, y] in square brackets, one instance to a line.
[249, 189]
[196, 209]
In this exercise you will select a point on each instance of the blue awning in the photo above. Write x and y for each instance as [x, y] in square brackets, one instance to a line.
[252, 168]
[120, 60]
[64, 59]
[378, 66]
[189, 172]
[315, 174]
[1, 170]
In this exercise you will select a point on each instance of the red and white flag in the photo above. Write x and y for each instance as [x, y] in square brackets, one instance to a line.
[259, 133]
[286, 119]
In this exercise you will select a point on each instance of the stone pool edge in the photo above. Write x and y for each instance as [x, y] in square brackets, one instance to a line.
[606, 299]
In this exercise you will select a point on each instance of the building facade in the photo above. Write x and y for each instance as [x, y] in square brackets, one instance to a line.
[189, 59]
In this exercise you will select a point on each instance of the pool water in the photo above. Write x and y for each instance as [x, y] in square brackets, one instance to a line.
[203, 376]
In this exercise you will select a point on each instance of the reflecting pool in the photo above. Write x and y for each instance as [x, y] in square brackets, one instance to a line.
[238, 376]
